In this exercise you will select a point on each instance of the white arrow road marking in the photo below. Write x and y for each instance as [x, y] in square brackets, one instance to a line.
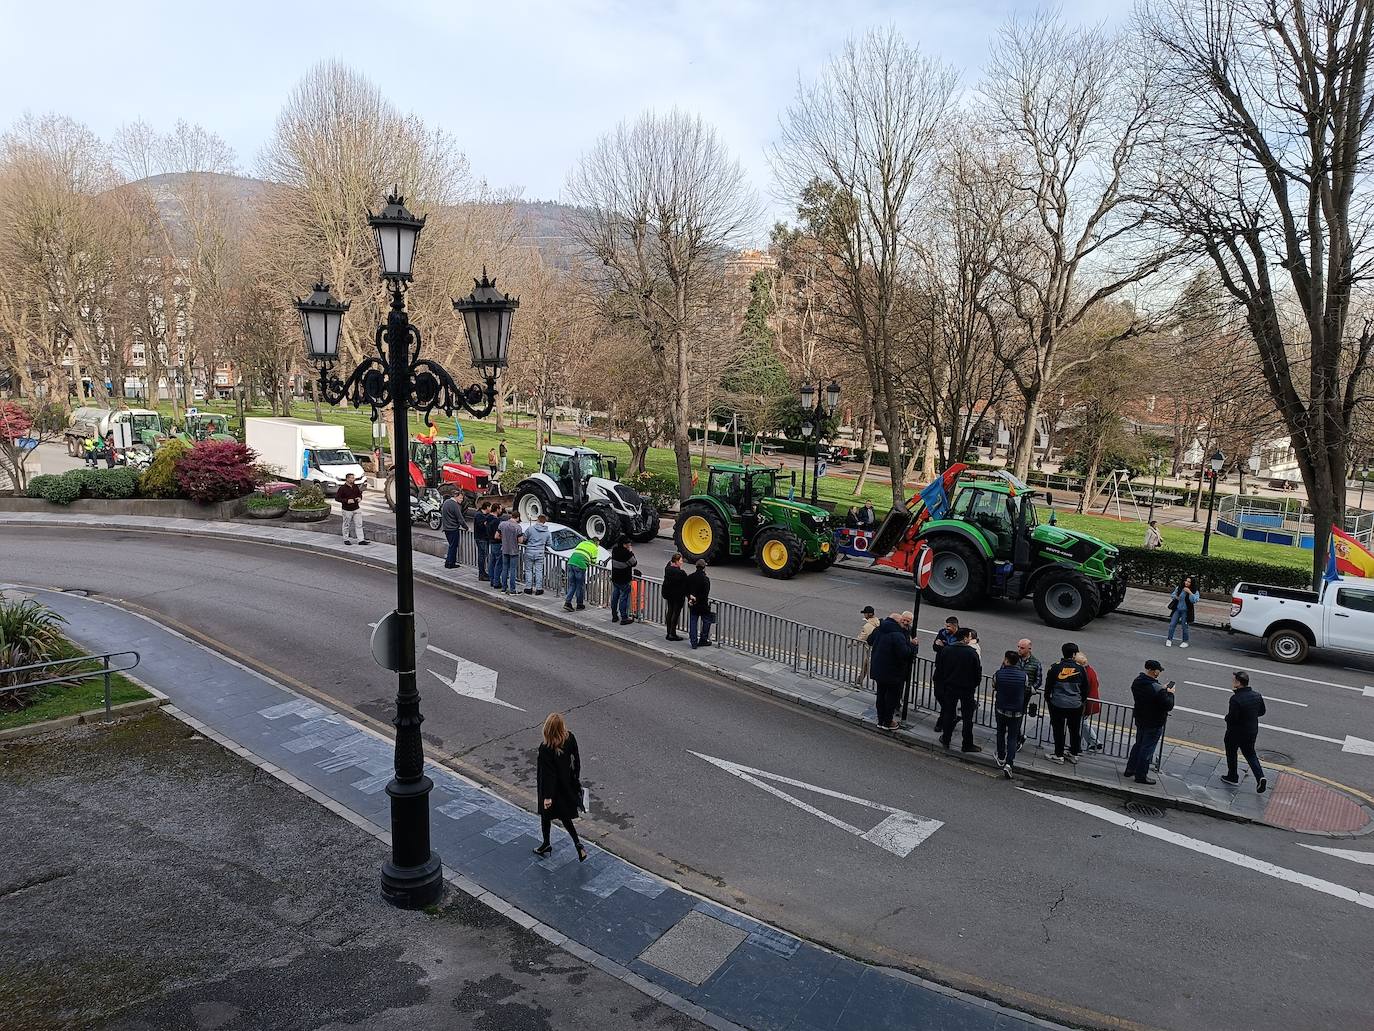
[1206, 848]
[899, 833]
[1363, 858]
[1267, 696]
[1284, 676]
[1357, 745]
[469, 679]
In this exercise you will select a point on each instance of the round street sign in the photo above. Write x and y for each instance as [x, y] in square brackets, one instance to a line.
[925, 558]
[386, 641]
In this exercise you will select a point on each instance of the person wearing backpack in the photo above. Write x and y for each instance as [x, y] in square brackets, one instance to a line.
[1181, 603]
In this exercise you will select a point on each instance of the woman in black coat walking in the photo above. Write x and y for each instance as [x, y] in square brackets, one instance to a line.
[559, 780]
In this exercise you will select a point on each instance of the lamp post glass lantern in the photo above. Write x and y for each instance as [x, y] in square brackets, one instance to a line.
[1216, 463]
[816, 410]
[396, 377]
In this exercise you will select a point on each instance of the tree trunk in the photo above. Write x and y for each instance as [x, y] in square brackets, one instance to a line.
[1025, 441]
[867, 445]
[1090, 481]
[928, 469]
[500, 409]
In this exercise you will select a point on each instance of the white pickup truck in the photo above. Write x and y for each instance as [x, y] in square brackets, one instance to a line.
[1292, 622]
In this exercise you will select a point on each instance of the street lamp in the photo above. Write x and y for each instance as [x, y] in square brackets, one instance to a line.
[1156, 461]
[1215, 462]
[818, 409]
[398, 377]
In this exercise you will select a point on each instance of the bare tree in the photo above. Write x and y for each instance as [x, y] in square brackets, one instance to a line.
[660, 203]
[1266, 175]
[854, 151]
[1072, 110]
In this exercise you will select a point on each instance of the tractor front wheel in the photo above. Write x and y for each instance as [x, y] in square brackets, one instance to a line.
[700, 533]
[650, 532]
[531, 501]
[958, 574]
[1067, 600]
[602, 525]
[778, 553]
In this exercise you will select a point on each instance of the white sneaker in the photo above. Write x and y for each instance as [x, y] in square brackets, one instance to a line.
[1168, 643]
[1183, 644]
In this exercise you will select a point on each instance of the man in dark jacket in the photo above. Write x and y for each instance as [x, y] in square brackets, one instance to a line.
[1242, 729]
[958, 672]
[674, 594]
[623, 562]
[481, 535]
[1153, 701]
[698, 606]
[1011, 692]
[893, 647]
[454, 523]
[1066, 689]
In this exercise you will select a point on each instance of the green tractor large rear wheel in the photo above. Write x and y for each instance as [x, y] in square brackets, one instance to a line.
[700, 533]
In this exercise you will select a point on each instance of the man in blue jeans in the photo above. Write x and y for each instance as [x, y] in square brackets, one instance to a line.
[1153, 701]
[481, 537]
[511, 536]
[699, 617]
[623, 563]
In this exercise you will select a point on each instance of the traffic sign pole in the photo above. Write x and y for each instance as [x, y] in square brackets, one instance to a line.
[920, 575]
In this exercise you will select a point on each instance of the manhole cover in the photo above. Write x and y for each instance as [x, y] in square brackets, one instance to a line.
[80, 592]
[1281, 758]
[1152, 812]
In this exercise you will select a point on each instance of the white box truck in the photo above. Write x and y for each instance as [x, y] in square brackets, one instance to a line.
[298, 450]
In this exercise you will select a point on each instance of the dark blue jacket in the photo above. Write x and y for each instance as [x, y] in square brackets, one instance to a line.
[1152, 701]
[481, 526]
[893, 650]
[1012, 687]
[958, 670]
[1242, 715]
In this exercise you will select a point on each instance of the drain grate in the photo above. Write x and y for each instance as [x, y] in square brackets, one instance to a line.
[1269, 756]
[1152, 812]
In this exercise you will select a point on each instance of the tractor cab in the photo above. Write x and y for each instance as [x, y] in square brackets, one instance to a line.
[572, 468]
[1006, 516]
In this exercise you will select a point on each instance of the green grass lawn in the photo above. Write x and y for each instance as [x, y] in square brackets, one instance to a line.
[1189, 542]
[57, 700]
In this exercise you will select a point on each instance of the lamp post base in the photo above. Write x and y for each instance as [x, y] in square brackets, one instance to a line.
[413, 887]
[413, 877]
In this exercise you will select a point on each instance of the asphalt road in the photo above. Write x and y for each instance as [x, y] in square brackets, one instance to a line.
[1053, 908]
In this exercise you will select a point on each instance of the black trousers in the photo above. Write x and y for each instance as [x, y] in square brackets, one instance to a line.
[1246, 747]
[1060, 716]
[672, 616]
[546, 824]
[889, 697]
[956, 706]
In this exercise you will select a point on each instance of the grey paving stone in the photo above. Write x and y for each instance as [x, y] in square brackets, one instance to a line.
[694, 948]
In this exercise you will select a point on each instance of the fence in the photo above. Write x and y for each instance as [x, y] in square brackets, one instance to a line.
[104, 671]
[814, 651]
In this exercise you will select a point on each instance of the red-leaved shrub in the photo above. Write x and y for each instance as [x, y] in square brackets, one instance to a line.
[217, 470]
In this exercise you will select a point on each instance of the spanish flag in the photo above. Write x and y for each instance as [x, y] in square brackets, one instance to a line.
[1352, 558]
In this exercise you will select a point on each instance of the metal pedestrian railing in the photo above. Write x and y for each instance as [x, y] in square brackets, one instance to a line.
[814, 651]
[107, 668]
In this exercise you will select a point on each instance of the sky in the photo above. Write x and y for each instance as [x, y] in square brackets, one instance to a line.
[525, 87]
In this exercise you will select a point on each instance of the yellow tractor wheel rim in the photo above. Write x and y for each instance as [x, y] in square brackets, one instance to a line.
[696, 534]
[775, 554]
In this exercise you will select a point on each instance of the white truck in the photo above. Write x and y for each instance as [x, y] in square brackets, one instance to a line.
[1292, 622]
[295, 449]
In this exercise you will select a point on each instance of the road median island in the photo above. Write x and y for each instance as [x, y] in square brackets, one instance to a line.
[1188, 774]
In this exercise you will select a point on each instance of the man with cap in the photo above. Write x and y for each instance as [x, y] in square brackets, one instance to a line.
[1153, 701]
[864, 637]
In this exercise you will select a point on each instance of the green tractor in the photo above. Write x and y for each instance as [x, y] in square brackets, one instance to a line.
[988, 542]
[741, 516]
[206, 426]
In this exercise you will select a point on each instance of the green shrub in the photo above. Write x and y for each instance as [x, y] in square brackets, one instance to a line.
[1162, 570]
[29, 633]
[265, 501]
[118, 482]
[659, 488]
[159, 480]
[309, 496]
[57, 490]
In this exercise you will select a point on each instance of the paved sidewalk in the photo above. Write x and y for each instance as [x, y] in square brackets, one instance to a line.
[708, 962]
[1190, 777]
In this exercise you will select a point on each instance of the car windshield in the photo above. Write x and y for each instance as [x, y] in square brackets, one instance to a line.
[334, 456]
[565, 540]
[139, 423]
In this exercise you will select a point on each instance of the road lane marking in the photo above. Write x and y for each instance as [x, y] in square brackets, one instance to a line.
[1267, 696]
[1363, 858]
[1281, 676]
[470, 679]
[1146, 633]
[899, 833]
[1355, 745]
[1206, 848]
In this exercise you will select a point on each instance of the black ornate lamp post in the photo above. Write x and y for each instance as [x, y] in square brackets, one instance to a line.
[1215, 462]
[1364, 476]
[397, 376]
[815, 411]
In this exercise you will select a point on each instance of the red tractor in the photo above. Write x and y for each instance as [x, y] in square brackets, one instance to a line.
[437, 465]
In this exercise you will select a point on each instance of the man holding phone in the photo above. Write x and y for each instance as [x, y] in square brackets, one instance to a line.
[1152, 704]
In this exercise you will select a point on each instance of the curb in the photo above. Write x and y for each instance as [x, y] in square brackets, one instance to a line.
[78, 719]
[594, 629]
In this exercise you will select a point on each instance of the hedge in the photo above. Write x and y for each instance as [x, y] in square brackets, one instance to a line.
[1162, 570]
[84, 483]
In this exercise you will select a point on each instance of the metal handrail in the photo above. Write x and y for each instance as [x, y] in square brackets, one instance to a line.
[105, 671]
